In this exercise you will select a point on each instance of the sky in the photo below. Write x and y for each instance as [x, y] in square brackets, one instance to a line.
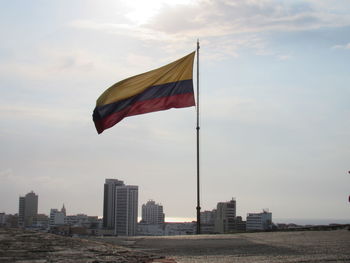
[274, 105]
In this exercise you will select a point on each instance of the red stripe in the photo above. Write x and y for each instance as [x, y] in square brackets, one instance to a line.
[141, 107]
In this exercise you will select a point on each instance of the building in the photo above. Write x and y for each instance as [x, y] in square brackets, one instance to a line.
[208, 217]
[167, 229]
[77, 220]
[259, 221]
[42, 221]
[240, 225]
[2, 219]
[109, 202]
[63, 210]
[56, 217]
[152, 213]
[21, 211]
[28, 210]
[120, 207]
[83, 221]
[150, 229]
[185, 228]
[11, 220]
[126, 206]
[208, 221]
[225, 216]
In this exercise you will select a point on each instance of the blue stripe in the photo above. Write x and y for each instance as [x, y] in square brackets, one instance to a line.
[154, 92]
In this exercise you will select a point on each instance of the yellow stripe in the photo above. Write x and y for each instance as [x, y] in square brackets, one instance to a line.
[178, 70]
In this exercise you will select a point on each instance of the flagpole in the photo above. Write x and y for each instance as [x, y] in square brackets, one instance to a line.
[197, 128]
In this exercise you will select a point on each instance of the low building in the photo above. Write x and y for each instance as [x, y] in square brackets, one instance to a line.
[208, 217]
[208, 221]
[207, 229]
[259, 221]
[167, 229]
[42, 221]
[186, 228]
[240, 225]
[144, 229]
[104, 232]
[77, 220]
[57, 218]
[11, 220]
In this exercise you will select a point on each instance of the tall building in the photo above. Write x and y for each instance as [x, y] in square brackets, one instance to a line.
[21, 211]
[259, 221]
[126, 206]
[2, 219]
[225, 216]
[120, 205]
[109, 202]
[152, 213]
[28, 209]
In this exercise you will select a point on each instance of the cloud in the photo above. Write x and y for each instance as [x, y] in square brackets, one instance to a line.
[230, 24]
[284, 57]
[43, 62]
[43, 113]
[345, 46]
[232, 109]
[6, 173]
[128, 30]
[209, 18]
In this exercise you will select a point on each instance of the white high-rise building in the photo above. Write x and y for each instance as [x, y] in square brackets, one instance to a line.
[259, 221]
[126, 206]
[225, 216]
[56, 217]
[28, 210]
[109, 202]
[152, 213]
[120, 207]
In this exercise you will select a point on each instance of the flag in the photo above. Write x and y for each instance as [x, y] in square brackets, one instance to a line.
[170, 86]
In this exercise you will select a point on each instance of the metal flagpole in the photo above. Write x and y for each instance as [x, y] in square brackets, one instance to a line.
[198, 202]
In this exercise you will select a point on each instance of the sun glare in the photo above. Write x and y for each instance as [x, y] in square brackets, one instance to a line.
[141, 11]
[179, 219]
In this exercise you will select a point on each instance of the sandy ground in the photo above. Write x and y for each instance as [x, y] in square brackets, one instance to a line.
[305, 246]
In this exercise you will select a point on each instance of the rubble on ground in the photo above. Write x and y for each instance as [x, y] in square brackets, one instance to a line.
[17, 245]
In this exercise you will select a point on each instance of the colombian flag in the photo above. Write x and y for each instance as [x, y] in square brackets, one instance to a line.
[167, 87]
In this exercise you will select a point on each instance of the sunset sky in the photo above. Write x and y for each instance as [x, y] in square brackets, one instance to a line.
[275, 105]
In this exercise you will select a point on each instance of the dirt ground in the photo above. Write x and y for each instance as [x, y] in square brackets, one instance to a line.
[17, 245]
[304, 246]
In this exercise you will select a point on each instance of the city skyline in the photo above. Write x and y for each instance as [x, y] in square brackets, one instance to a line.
[300, 221]
[116, 182]
[274, 105]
